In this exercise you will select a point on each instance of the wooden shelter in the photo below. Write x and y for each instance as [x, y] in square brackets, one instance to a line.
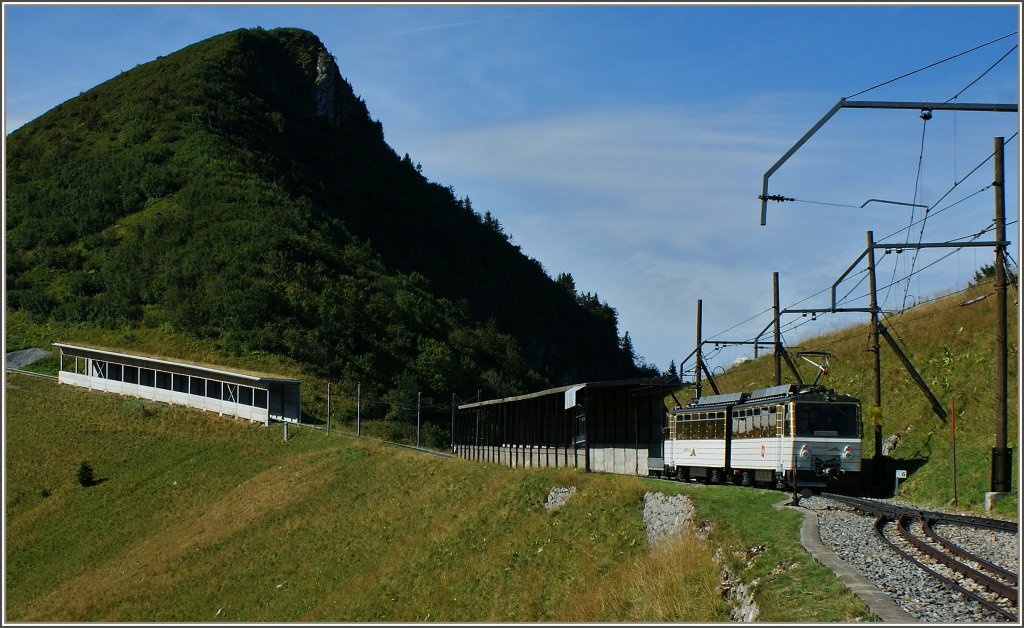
[244, 395]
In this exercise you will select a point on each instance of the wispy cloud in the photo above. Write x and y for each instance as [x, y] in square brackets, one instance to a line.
[655, 207]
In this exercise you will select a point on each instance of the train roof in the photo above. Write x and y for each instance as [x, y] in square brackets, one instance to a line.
[773, 391]
[765, 394]
[719, 400]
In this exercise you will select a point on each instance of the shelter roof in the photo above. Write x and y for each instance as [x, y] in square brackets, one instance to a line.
[645, 383]
[157, 361]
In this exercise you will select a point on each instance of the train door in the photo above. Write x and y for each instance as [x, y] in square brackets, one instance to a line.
[781, 420]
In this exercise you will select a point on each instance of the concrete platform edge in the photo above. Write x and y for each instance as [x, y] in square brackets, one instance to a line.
[877, 602]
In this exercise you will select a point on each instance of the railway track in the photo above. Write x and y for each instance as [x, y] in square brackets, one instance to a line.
[33, 374]
[911, 534]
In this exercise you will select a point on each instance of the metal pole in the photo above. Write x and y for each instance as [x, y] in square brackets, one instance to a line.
[867, 104]
[936, 406]
[876, 409]
[952, 411]
[778, 334]
[796, 495]
[700, 363]
[418, 397]
[359, 399]
[1002, 456]
[453, 422]
[328, 407]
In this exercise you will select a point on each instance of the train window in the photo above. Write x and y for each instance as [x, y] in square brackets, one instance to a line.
[827, 419]
[771, 420]
[739, 425]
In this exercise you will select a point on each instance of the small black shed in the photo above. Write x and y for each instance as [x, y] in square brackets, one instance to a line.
[611, 426]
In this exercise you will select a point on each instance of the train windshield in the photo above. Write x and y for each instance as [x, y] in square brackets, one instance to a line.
[827, 419]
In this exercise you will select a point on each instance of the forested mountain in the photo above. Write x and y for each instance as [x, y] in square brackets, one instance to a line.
[238, 190]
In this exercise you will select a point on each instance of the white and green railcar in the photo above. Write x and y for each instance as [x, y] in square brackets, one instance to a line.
[766, 438]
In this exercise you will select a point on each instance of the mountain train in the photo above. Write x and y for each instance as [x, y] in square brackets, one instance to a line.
[769, 437]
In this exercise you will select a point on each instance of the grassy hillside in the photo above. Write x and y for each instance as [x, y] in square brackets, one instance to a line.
[952, 347]
[199, 518]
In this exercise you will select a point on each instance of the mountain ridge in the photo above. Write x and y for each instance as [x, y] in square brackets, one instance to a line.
[238, 190]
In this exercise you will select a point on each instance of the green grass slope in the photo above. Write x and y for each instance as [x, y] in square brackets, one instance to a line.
[952, 346]
[199, 518]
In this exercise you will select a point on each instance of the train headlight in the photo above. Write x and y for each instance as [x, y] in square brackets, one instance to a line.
[805, 452]
[847, 452]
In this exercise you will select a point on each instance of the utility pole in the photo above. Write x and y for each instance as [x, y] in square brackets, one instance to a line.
[477, 437]
[328, 407]
[778, 333]
[359, 399]
[876, 410]
[418, 397]
[453, 422]
[1002, 456]
[700, 362]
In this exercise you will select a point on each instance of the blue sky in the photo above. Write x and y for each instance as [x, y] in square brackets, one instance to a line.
[627, 144]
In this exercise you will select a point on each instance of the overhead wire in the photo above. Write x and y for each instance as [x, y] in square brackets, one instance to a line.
[797, 323]
[864, 275]
[929, 211]
[998, 61]
[762, 312]
[800, 200]
[931, 65]
[917, 188]
[924, 220]
[975, 169]
[947, 255]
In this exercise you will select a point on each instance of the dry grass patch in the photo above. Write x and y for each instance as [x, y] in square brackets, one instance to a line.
[676, 581]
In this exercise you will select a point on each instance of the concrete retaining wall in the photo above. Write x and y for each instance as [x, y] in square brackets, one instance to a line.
[524, 456]
[618, 459]
[608, 459]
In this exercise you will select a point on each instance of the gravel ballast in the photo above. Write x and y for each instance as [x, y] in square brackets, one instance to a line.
[18, 359]
[852, 538]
